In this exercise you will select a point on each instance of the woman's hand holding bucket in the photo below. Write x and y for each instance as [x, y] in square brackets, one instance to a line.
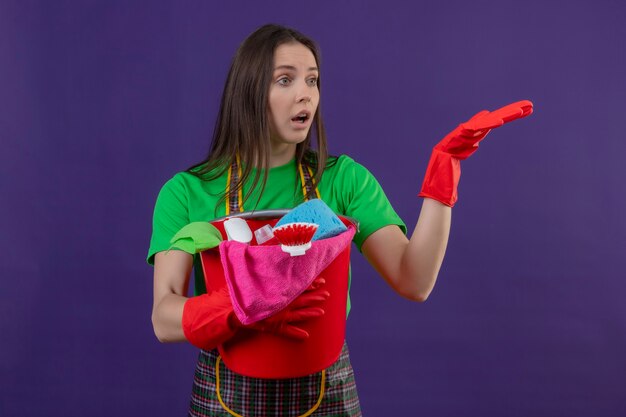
[209, 319]
[305, 307]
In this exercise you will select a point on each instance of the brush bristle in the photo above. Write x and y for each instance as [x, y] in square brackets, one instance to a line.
[294, 234]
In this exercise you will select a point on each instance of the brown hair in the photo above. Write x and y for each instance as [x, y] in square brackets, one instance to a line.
[243, 128]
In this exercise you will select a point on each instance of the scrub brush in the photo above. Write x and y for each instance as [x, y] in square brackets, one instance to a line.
[295, 238]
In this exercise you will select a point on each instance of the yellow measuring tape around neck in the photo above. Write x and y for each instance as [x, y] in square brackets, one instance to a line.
[308, 181]
[234, 202]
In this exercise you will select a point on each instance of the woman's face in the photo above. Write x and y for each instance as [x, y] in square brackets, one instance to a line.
[293, 95]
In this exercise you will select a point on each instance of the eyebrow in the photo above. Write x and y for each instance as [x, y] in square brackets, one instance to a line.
[291, 67]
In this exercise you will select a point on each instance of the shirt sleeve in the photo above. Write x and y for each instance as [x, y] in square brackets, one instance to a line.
[365, 200]
[171, 213]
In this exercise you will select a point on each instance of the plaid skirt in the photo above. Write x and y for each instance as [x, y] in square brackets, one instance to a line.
[330, 394]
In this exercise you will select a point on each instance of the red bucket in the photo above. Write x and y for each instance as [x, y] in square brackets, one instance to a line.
[265, 355]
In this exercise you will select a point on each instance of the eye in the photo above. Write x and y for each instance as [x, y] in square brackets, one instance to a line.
[312, 82]
[283, 81]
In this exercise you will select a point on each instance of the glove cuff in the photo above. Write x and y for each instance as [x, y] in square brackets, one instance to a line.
[208, 320]
[442, 178]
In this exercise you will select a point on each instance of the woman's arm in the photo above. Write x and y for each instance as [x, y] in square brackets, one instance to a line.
[410, 267]
[208, 319]
[171, 280]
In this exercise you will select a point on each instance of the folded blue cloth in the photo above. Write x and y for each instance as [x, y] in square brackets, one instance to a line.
[315, 211]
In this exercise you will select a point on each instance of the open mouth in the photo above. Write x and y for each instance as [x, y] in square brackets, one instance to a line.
[301, 118]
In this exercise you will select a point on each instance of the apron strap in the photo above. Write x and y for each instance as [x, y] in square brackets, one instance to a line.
[234, 203]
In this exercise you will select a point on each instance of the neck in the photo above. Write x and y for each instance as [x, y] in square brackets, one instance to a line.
[281, 154]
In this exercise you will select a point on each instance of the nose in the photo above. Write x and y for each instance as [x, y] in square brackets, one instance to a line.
[303, 93]
[304, 98]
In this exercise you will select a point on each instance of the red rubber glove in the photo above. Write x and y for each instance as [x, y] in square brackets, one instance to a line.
[444, 168]
[209, 319]
[302, 308]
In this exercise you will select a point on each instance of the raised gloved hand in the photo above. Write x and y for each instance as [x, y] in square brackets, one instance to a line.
[444, 168]
[209, 320]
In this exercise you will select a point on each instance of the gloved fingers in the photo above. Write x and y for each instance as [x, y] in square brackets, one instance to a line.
[489, 120]
[317, 283]
[292, 332]
[527, 107]
[469, 137]
[309, 298]
[293, 316]
[482, 121]
[514, 111]
[479, 114]
[511, 111]
[476, 128]
[462, 146]
[280, 324]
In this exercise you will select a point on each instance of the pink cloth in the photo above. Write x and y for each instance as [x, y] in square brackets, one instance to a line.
[263, 280]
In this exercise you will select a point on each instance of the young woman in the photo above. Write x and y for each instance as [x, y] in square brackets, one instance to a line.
[263, 157]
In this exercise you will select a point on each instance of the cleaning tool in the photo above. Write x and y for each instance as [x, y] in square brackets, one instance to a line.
[295, 238]
[264, 235]
[238, 230]
[315, 211]
[196, 237]
[444, 168]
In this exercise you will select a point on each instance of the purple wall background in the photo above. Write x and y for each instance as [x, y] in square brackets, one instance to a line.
[102, 101]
